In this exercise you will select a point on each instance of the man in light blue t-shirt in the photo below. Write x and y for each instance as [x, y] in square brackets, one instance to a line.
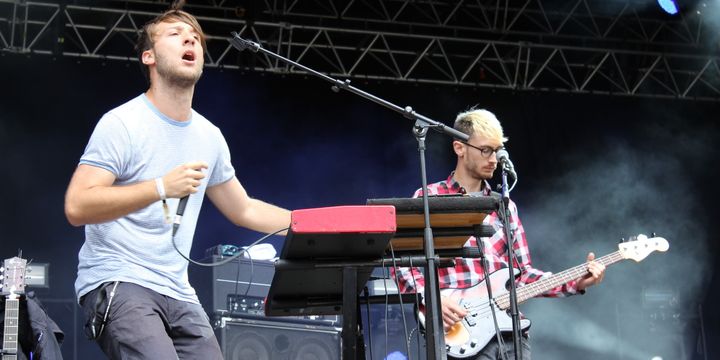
[142, 157]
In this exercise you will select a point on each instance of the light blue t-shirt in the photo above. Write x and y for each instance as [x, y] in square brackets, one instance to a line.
[136, 142]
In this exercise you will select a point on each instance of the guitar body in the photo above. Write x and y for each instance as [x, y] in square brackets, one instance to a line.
[469, 336]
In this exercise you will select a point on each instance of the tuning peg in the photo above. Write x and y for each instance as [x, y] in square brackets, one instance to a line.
[622, 240]
[653, 234]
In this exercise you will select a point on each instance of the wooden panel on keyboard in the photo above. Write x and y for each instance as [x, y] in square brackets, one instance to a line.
[452, 218]
[440, 220]
[441, 242]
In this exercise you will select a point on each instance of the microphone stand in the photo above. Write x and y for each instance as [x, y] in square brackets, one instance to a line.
[504, 212]
[434, 334]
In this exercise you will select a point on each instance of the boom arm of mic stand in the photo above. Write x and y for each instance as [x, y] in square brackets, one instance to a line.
[434, 334]
[244, 44]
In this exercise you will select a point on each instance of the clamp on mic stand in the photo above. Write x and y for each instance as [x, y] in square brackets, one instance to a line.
[435, 339]
[504, 213]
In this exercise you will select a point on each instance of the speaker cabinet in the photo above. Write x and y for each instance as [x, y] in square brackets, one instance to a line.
[254, 339]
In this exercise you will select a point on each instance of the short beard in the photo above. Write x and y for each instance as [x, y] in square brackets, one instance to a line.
[176, 79]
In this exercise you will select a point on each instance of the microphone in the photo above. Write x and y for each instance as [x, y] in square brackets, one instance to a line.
[179, 214]
[503, 158]
[242, 44]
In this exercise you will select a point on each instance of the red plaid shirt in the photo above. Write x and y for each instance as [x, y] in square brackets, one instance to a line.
[469, 272]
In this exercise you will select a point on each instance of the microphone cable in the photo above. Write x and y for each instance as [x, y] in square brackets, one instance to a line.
[229, 259]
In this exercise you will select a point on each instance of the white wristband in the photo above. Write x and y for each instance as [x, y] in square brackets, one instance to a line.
[160, 188]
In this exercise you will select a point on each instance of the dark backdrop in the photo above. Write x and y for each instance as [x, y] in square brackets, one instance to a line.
[592, 169]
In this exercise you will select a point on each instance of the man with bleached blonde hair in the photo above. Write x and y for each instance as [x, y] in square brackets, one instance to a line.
[476, 163]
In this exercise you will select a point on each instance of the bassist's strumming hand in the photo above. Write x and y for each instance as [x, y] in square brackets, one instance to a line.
[452, 312]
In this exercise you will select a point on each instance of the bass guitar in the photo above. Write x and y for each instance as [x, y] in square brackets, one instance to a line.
[470, 335]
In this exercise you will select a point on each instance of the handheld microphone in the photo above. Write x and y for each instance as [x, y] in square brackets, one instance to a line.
[503, 158]
[179, 214]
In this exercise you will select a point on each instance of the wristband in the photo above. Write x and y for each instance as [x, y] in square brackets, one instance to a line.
[160, 188]
[161, 191]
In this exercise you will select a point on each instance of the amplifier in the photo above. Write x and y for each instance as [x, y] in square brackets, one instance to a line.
[239, 286]
[239, 289]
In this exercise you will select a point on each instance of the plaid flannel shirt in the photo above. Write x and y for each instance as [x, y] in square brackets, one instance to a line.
[469, 272]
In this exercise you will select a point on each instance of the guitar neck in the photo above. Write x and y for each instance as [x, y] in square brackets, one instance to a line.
[538, 287]
[10, 335]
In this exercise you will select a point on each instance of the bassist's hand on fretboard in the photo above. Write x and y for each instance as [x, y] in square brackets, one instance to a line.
[595, 274]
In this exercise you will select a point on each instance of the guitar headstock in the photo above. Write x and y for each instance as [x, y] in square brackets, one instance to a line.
[639, 248]
[13, 279]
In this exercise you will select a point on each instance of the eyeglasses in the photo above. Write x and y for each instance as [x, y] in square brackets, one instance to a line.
[485, 151]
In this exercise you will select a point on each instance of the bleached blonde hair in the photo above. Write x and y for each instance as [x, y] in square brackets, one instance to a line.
[480, 122]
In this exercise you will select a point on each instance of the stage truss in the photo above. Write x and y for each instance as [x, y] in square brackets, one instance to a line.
[613, 47]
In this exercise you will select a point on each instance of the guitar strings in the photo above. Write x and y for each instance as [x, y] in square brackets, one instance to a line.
[502, 301]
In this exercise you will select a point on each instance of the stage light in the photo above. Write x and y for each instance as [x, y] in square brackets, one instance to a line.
[669, 6]
[656, 358]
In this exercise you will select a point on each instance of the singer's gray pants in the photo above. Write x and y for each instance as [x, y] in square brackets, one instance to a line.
[143, 324]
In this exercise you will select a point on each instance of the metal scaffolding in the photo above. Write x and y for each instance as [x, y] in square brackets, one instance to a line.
[613, 47]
